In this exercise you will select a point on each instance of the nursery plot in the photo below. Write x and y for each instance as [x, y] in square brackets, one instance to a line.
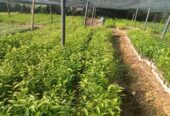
[39, 77]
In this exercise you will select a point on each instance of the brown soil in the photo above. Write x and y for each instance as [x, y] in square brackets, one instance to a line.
[93, 22]
[144, 94]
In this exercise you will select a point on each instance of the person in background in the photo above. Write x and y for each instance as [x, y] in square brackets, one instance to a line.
[102, 19]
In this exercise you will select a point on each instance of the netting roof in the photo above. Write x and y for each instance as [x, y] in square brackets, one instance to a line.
[45, 2]
[155, 5]
[128, 4]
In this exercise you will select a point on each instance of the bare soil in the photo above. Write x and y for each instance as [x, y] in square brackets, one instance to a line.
[144, 94]
[93, 22]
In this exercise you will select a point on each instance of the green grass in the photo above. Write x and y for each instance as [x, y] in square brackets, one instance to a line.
[21, 18]
[20, 22]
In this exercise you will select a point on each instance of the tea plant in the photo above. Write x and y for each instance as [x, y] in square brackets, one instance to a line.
[38, 77]
[153, 48]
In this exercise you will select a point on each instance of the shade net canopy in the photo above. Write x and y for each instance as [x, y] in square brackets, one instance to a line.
[43, 2]
[155, 5]
[77, 3]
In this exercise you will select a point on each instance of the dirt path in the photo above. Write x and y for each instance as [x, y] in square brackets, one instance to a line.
[149, 97]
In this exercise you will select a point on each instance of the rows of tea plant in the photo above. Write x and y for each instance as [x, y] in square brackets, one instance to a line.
[154, 48]
[39, 77]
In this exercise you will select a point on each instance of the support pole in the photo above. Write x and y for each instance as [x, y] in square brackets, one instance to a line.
[136, 14]
[63, 25]
[154, 20]
[147, 17]
[86, 13]
[32, 12]
[155, 17]
[23, 8]
[128, 13]
[7, 5]
[51, 13]
[93, 14]
[166, 28]
[163, 16]
[133, 16]
[100, 14]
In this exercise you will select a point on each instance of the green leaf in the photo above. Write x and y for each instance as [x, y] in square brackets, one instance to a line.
[86, 112]
[98, 110]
